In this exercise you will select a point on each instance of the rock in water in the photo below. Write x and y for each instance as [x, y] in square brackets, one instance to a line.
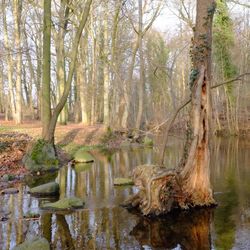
[81, 167]
[48, 189]
[82, 156]
[64, 204]
[123, 181]
[34, 244]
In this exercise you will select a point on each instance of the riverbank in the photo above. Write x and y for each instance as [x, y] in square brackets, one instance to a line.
[14, 140]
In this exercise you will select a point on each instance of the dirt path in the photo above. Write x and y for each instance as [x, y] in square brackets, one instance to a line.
[71, 133]
[15, 138]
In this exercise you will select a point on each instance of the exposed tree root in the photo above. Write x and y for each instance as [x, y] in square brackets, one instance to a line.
[162, 190]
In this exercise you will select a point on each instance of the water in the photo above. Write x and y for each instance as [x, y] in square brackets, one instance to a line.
[103, 224]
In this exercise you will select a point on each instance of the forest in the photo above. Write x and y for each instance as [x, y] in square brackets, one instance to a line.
[124, 124]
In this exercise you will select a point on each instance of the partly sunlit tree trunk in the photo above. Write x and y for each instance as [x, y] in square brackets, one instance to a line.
[188, 185]
[141, 86]
[45, 93]
[17, 4]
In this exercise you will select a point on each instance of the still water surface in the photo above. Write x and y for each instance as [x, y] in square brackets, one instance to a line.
[103, 224]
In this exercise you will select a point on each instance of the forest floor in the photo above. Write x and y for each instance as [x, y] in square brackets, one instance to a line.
[14, 140]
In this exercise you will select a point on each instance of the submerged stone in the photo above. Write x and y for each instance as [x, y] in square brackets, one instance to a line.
[34, 180]
[10, 191]
[82, 156]
[123, 181]
[81, 167]
[64, 204]
[41, 156]
[34, 244]
[48, 189]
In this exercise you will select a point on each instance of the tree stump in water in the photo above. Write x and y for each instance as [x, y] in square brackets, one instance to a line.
[162, 190]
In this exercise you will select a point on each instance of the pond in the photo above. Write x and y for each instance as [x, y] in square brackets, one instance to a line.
[104, 224]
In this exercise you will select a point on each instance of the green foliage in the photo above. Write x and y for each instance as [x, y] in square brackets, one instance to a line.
[223, 41]
[156, 55]
[193, 76]
[148, 141]
[225, 225]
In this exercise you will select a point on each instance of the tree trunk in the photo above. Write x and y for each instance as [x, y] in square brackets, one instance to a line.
[142, 70]
[10, 64]
[17, 17]
[49, 135]
[106, 78]
[45, 93]
[188, 185]
[126, 122]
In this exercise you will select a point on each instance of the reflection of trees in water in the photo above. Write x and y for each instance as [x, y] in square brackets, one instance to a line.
[225, 224]
[230, 174]
[190, 230]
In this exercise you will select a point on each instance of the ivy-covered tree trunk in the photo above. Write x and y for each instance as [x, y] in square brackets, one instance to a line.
[188, 185]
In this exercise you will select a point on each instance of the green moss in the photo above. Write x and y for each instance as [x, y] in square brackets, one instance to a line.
[81, 167]
[36, 243]
[72, 148]
[193, 76]
[41, 156]
[65, 204]
[148, 141]
[51, 188]
[123, 181]
[82, 156]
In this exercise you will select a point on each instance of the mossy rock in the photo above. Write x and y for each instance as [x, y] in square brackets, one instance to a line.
[64, 204]
[81, 167]
[48, 189]
[36, 243]
[123, 181]
[41, 156]
[81, 156]
[37, 180]
[147, 141]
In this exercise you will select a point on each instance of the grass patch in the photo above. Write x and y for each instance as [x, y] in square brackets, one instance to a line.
[72, 147]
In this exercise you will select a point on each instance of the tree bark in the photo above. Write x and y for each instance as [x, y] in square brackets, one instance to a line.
[106, 78]
[45, 93]
[17, 17]
[49, 135]
[9, 63]
[142, 70]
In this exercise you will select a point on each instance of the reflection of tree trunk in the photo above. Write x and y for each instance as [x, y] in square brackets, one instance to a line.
[64, 232]
[189, 231]
[46, 221]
